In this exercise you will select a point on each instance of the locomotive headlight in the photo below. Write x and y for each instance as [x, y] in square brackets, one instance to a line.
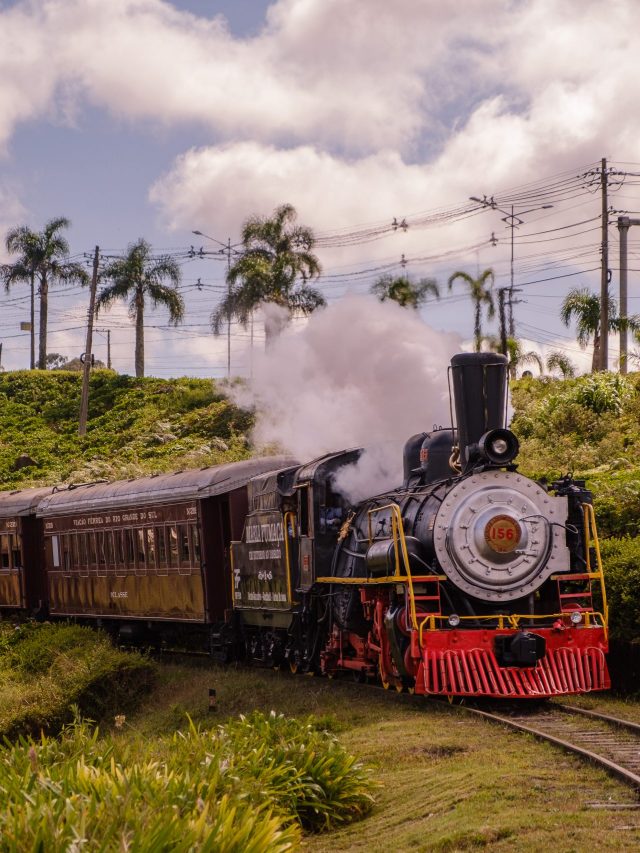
[576, 617]
[499, 446]
[454, 620]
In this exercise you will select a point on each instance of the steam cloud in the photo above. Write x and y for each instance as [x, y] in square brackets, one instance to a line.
[359, 374]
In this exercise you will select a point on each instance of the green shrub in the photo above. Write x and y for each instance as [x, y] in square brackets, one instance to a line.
[247, 787]
[621, 561]
[305, 770]
[136, 426]
[45, 668]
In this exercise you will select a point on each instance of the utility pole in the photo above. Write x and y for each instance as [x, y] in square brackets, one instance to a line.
[512, 220]
[604, 276]
[624, 223]
[33, 321]
[226, 250]
[84, 400]
[503, 324]
[229, 311]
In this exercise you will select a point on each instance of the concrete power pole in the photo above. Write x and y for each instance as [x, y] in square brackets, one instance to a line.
[604, 276]
[84, 400]
[503, 322]
[624, 223]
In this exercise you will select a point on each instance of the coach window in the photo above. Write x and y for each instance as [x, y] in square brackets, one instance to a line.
[65, 547]
[17, 553]
[5, 559]
[82, 551]
[151, 547]
[100, 549]
[5, 551]
[161, 544]
[118, 548]
[183, 546]
[129, 548]
[195, 541]
[74, 549]
[55, 552]
[173, 546]
[109, 552]
[93, 552]
[140, 552]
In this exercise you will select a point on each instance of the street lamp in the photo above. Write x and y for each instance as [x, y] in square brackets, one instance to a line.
[226, 250]
[512, 221]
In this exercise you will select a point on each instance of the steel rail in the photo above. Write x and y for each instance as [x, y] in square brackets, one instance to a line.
[623, 773]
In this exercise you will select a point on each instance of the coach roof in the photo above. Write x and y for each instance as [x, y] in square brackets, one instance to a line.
[22, 502]
[160, 488]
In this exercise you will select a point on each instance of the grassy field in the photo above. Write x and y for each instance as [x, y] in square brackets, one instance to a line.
[448, 782]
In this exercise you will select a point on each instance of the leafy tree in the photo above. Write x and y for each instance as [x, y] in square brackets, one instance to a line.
[140, 276]
[585, 307]
[56, 361]
[274, 266]
[559, 361]
[517, 358]
[42, 256]
[481, 294]
[405, 292]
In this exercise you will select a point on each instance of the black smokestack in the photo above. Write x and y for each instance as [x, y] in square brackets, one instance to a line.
[480, 394]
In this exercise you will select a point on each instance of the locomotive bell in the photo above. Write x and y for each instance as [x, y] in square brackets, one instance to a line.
[480, 397]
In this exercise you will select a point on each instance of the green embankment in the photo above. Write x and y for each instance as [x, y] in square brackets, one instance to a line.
[590, 426]
[251, 785]
[136, 426]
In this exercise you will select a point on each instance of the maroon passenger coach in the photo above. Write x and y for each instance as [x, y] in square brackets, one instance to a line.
[150, 549]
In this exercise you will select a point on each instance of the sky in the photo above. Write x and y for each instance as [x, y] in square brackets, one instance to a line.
[145, 118]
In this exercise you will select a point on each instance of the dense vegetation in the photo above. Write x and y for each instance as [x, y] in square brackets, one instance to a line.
[591, 426]
[44, 669]
[135, 426]
[246, 787]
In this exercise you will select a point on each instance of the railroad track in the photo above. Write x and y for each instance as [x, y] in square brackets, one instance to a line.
[606, 741]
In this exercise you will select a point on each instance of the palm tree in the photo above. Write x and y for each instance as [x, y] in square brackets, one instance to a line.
[274, 266]
[137, 276]
[479, 293]
[585, 307]
[42, 256]
[402, 290]
[517, 358]
[559, 361]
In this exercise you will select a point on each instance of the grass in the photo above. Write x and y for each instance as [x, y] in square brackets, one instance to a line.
[249, 786]
[448, 782]
[44, 669]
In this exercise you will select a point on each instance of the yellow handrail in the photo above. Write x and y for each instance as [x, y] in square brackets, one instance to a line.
[397, 530]
[591, 534]
[513, 619]
[287, 559]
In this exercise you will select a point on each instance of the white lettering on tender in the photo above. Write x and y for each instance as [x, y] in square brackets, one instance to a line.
[264, 533]
[273, 554]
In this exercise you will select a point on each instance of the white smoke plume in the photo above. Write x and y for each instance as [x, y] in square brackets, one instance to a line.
[358, 374]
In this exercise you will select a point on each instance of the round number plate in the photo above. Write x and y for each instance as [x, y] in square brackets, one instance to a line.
[502, 534]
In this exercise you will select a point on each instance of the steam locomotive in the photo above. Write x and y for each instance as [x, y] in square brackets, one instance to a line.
[467, 580]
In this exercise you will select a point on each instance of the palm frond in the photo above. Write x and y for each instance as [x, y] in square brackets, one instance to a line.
[168, 297]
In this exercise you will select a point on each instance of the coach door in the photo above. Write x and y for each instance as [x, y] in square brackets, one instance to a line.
[305, 538]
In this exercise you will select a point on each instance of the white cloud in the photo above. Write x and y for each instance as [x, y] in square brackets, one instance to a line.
[335, 70]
